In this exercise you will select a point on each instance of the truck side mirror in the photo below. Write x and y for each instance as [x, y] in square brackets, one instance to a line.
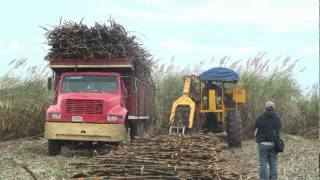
[49, 84]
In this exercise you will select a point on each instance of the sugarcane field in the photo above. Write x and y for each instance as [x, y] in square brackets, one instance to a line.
[222, 90]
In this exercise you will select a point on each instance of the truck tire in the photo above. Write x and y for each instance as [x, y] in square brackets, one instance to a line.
[54, 147]
[128, 134]
[140, 127]
[234, 128]
[137, 128]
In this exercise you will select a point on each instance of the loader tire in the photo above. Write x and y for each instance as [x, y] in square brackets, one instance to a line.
[54, 147]
[212, 124]
[234, 128]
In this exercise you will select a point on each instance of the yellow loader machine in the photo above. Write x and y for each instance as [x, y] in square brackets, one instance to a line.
[210, 102]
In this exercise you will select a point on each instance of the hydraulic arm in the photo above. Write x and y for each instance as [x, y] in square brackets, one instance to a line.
[178, 119]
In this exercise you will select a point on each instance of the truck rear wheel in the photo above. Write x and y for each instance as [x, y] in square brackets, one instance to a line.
[234, 128]
[137, 128]
[140, 128]
[54, 147]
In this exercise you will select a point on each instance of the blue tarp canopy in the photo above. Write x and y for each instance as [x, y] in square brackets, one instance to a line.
[219, 74]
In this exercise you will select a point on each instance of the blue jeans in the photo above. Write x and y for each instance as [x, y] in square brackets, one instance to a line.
[267, 155]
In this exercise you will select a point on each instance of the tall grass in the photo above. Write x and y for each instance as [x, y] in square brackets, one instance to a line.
[273, 80]
[309, 109]
[24, 99]
[23, 102]
[263, 80]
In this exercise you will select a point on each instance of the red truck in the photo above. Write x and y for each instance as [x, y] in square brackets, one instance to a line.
[95, 100]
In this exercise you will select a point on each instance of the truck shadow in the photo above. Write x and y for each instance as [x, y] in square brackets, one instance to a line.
[80, 149]
[87, 149]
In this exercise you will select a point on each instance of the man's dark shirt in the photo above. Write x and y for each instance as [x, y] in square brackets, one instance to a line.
[264, 125]
[210, 85]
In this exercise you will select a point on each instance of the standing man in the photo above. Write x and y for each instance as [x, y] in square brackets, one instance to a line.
[266, 125]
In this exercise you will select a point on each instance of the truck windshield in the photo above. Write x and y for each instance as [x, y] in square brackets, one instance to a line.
[89, 83]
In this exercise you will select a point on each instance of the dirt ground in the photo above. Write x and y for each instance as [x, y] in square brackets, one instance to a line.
[32, 153]
[299, 161]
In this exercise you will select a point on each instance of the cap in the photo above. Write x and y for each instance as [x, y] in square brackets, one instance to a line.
[270, 105]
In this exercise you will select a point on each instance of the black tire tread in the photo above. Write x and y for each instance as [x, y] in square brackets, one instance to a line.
[234, 128]
[137, 128]
[54, 147]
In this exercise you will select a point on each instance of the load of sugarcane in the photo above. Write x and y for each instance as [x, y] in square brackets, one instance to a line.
[78, 41]
[190, 156]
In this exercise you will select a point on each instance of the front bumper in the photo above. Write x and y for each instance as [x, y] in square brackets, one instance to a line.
[85, 131]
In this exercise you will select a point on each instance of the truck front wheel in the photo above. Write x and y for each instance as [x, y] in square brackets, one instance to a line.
[127, 136]
[54, 147]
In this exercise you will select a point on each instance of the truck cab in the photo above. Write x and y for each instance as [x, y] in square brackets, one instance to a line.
[93, 104]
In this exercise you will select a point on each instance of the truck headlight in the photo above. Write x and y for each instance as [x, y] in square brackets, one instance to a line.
[113, 118]
[55, 115]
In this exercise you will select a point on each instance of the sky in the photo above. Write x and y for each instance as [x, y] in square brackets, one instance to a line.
[190, 31]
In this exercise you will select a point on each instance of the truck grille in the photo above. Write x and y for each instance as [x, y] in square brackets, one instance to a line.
[83, 106]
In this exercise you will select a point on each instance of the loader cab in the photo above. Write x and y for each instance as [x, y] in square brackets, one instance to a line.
[219, 91]
[212, 95]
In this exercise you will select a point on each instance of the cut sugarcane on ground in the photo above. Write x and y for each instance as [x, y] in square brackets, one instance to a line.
[165, 156]
[299, 161]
